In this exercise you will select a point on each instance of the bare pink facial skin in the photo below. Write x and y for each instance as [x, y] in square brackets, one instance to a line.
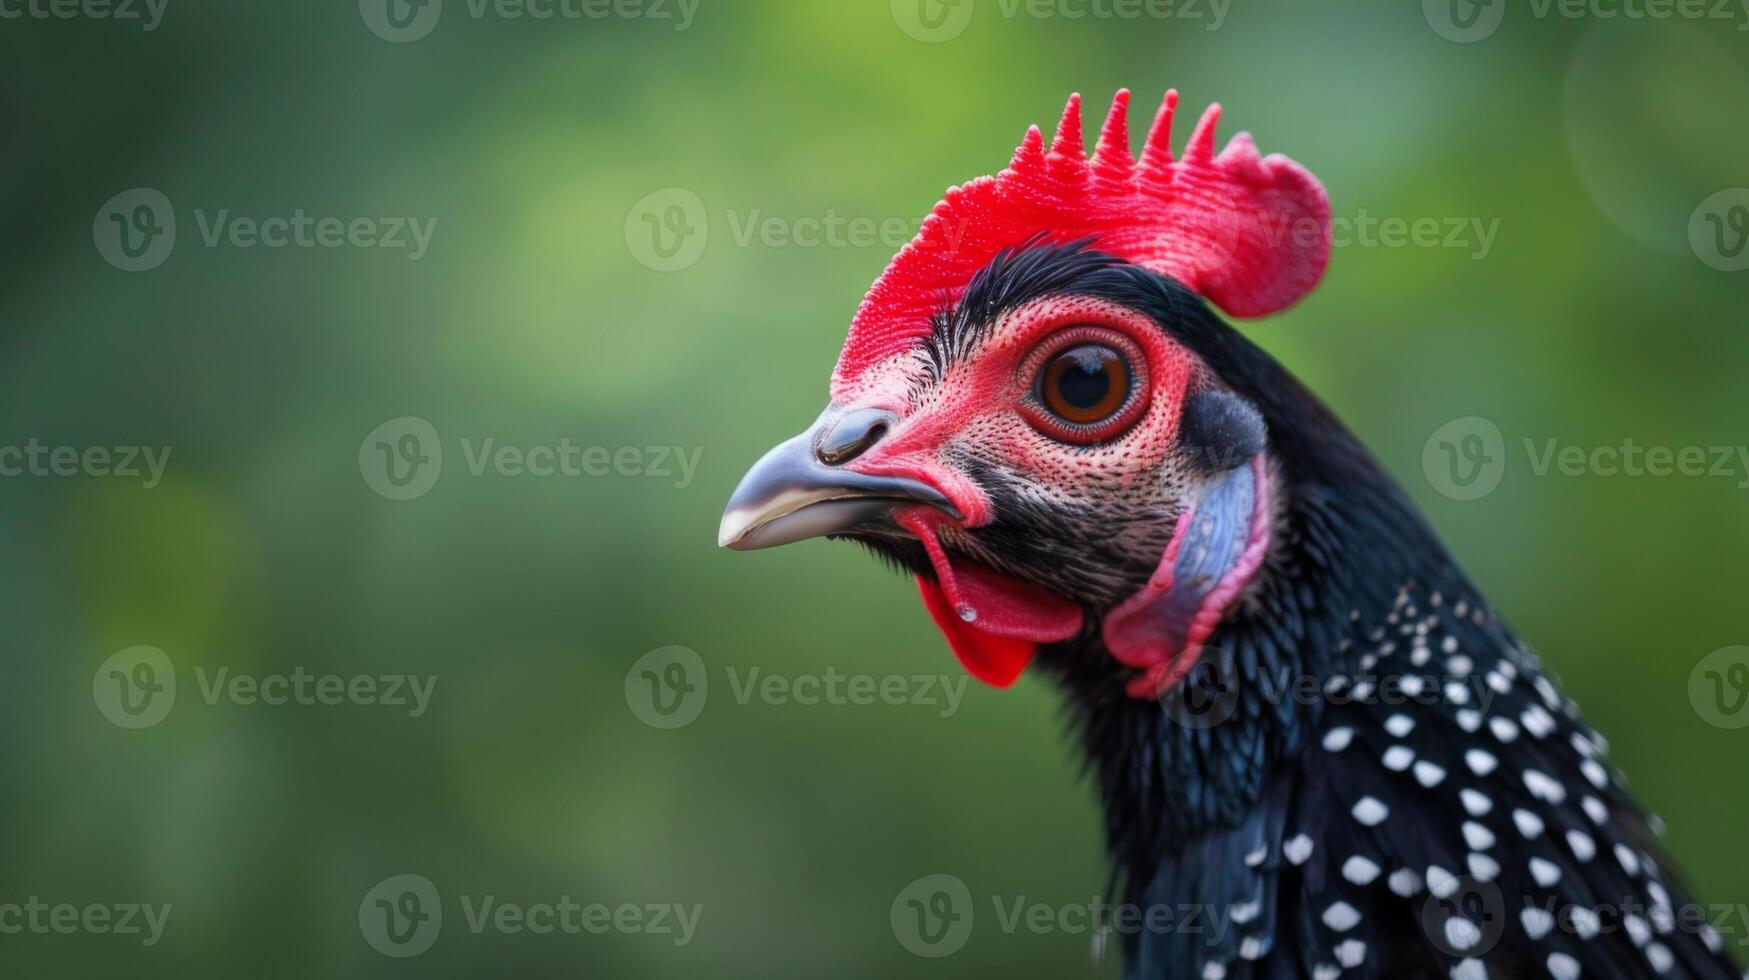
[993, 622]
[976, 409]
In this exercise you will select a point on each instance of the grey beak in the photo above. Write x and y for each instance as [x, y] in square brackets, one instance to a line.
[800, 489]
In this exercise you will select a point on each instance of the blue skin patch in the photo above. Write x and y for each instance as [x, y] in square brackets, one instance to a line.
[1219, 531]
[1224, 439]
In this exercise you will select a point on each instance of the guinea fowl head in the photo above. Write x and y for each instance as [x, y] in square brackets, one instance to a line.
[1032, 410]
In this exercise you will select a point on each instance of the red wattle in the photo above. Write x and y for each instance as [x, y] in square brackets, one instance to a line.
[996, 660]
[991, 621]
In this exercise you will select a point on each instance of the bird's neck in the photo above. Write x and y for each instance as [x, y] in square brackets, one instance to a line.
[1206, 756]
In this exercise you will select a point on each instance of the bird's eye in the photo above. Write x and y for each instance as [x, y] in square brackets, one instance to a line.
[1088, 385]
[1085, 384]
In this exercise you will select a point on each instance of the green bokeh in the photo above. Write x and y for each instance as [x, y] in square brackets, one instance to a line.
[532, 319]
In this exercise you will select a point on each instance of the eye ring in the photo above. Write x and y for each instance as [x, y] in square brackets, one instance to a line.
[1085, 385]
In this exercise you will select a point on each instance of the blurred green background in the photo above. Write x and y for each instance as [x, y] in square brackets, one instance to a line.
[541, 312]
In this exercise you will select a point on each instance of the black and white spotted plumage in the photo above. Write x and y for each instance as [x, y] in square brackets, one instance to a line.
[1383, 781]
[1474, 830]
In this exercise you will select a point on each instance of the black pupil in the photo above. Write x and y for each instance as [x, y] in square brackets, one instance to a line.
[1085, 382]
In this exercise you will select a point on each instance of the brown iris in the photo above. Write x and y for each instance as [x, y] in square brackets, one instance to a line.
[1084, 384]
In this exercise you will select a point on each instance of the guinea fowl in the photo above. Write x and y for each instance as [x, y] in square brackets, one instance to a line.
[1301, 715]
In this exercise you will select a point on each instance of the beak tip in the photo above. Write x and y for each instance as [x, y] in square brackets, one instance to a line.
[732, 529]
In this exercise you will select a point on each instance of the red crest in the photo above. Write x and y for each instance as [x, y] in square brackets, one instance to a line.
[1250, 234]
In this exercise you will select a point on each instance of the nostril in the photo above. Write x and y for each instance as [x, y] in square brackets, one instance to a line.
[853, 434]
